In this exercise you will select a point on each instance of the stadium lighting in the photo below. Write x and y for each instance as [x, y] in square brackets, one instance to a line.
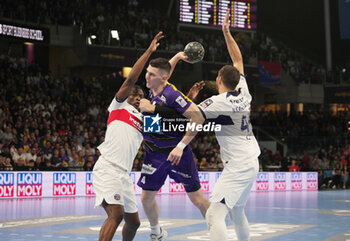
[115, 34]
[126, 71]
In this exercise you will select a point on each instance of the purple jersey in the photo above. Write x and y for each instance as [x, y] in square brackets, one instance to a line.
[156, 168]
[169, 97]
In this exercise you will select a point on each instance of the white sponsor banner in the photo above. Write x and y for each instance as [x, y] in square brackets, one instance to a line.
[63, 184]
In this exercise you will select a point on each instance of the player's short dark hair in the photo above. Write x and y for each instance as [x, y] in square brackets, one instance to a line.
[137, 88]
[230, 76]
[161, 63]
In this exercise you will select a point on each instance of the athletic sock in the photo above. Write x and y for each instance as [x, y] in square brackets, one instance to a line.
[155, 229]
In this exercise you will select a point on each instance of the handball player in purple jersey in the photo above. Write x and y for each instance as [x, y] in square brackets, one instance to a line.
[158, 146]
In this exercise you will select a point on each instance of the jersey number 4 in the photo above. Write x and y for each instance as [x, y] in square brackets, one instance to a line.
[245, 123]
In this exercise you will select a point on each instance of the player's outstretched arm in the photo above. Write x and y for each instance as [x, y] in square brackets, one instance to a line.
[130, 81]
[232, 46]
[196, 117]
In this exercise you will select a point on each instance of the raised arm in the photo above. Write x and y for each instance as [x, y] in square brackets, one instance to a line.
[177, 57]
[130, 81]
[194, 91]
[232, 46]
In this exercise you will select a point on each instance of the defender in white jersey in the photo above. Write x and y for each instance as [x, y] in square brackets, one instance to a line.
[113, 187]
[238, 146]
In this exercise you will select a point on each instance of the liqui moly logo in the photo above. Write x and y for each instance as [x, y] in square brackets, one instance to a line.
[29, 184]
[89, 188]
[311, 181]
[176, 187]
[280, 181]
[64, 184]
[7, 181]
[296, 181]
[204, 180]
[262, 181]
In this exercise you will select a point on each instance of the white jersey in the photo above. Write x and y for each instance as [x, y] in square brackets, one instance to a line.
[238, 145]
[123, 135]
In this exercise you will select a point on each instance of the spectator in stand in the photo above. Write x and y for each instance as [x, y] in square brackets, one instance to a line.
[136, 165]
[345, 177]
[336, 180]
[20, 165]
[204, 164]
[78, 145]
[212, 165]
[88, 167]
[64, 159]
[39, 164]
[294, 167]
[324, 164]
[6, 152]
[306, 162]
[7, 166]
[49, 166]
[327, 177]
[31, 155]
[56, 161]
[75, 164]
[18, 154]
[31, 166]
[321, 182]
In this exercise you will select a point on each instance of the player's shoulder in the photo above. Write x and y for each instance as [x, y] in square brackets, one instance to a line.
[171, 89]
[117, 104]
[171, 92]
[212, 101]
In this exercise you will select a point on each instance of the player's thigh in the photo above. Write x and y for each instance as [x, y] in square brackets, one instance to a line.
[109, 186]
[233, 186]
[154, 172]
[115, 211]
[186, 173]
[130, 204]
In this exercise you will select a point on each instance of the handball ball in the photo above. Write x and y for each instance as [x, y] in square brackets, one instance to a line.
[194, 51]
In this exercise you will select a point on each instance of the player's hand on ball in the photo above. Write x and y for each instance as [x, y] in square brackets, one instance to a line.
[175, 156]
[183, 56]
[154, 44]
[146, 106]
[194, 51]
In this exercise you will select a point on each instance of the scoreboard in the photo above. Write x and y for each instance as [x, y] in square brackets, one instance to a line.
[243, 13]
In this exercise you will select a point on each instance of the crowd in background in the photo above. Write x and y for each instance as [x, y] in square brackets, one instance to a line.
[308, 130]
[137, 23]
[300, 68]
[48, 123]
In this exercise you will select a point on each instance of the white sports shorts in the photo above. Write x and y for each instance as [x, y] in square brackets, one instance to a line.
[234, 185]
[113, 185]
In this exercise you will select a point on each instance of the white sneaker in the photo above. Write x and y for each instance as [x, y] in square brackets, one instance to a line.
[160, 237]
